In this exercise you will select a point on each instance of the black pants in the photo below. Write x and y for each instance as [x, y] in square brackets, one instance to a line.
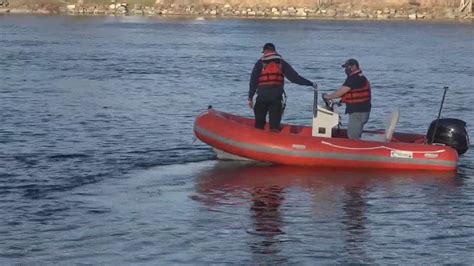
[272, 107]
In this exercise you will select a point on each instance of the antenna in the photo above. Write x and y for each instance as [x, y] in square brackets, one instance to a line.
[439, 114]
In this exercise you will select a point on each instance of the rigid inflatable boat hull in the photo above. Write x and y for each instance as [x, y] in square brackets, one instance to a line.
[294, 145]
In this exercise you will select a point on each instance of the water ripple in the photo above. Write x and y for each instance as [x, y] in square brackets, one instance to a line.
[98, 159]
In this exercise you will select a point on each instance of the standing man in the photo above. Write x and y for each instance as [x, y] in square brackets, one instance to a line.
[267, 80]
[355, 93]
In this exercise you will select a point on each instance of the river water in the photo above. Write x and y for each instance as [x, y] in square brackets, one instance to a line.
[98, 163]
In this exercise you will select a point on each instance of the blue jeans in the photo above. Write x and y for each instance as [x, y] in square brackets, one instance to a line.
[356, 124]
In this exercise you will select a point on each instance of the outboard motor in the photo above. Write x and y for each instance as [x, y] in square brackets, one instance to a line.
[449, 131]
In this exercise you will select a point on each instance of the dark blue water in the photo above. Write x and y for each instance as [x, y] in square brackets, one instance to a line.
[98, 163]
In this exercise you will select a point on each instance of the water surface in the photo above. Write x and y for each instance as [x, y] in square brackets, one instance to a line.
[98, 162]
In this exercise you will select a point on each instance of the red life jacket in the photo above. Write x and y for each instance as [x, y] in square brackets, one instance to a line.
[272, 73]
[358, 95]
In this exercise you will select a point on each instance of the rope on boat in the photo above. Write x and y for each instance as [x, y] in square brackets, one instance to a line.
[378, 147]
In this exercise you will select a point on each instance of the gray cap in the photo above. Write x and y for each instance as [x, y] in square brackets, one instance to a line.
[351, 62]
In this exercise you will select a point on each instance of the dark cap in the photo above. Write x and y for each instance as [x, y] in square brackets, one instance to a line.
[351, 62]
[269, 46]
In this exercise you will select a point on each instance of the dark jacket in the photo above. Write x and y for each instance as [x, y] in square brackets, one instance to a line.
[274, 93]
[359, 97]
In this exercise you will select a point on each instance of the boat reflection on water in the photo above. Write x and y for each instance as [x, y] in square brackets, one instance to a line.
[226, 180]
[320, 199]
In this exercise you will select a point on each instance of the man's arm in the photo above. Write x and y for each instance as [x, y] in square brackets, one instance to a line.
[293, 76]
[338, 93]
[253, 84]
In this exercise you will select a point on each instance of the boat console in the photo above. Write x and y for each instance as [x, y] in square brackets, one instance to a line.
[324, 118]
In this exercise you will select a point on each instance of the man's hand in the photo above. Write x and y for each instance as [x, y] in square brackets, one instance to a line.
[250, 104]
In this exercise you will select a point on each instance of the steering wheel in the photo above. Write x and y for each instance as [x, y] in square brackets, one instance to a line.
[329, 103]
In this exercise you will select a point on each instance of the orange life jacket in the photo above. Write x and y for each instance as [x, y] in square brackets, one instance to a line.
[357, 95]
[272, 73]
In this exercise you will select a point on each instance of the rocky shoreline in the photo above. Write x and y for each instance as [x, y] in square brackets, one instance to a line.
[223, 11]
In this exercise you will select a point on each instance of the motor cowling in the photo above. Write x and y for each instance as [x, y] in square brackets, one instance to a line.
[451, 132]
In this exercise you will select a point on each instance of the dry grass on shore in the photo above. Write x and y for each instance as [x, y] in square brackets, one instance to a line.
[55, 4]
[50, 5]
[130, 2]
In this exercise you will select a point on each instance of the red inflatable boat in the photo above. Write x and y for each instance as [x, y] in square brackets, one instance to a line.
[296, 145]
